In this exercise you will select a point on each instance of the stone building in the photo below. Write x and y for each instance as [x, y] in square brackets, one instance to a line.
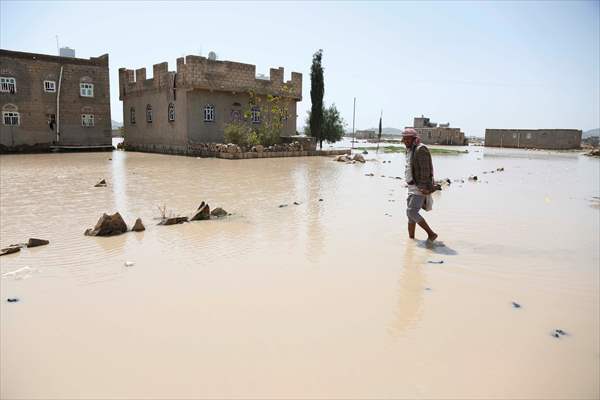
[53, 102]
[552, 139]
[432, 133]
[174, 110]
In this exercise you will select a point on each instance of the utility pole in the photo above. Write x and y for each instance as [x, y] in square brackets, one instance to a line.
[353, 119]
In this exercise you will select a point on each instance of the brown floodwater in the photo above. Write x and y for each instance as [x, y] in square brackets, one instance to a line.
[325, 299]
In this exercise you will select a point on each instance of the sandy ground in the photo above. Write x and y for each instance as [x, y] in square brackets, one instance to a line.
[326, 299]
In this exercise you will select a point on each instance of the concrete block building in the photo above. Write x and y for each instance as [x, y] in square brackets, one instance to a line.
[551, 139]
[174, 110]
[432, 133]
[53, 102]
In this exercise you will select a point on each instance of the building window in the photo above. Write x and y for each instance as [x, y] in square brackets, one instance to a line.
[529, 136]
[236, 116]
[8, 84]
[87, 120]
[132, 115]
[255, 115]
[51, 121]
[86, 89]
[149, 113]
[171, 112]
[49, 86]
[11, 118]
[209, 113]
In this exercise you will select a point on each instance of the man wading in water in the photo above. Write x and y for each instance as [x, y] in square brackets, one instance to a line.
[419, 178]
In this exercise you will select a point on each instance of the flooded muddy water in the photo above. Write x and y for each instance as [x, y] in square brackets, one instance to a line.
[325, 299]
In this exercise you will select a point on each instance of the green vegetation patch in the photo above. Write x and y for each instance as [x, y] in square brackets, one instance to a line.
[401, 149]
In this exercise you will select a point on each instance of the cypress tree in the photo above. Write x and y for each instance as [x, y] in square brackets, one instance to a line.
[317, 89]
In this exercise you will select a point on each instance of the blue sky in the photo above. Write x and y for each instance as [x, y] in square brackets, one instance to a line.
[475, 64]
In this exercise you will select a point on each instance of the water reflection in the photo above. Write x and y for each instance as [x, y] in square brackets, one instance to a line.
[411, 288]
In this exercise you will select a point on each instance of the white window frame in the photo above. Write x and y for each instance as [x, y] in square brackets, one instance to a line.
[255, 115]
[11, 115]
[50, 86]
[149, 115]
[87, 120]
[6, 82]
[209, 113]
[171, 112]
[86, 89]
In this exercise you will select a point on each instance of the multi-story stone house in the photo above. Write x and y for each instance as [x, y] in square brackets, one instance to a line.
[174, 110]
[432, 133]
[50, 101]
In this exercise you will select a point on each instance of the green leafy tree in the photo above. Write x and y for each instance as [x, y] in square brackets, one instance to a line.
[317, 90]
[333, 124]
[273, 115]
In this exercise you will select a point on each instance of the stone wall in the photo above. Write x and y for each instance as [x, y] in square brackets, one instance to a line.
[34, 104]
[552, 139]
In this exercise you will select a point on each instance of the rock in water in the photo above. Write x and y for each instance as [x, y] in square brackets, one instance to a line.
[33, 242]
[359, 158]
[218, 212]
[173, 221]
[102, 183]
[516, 305]
[108, 225]
[138, 226]
[9, 250]
[12, 300]
[202, 213]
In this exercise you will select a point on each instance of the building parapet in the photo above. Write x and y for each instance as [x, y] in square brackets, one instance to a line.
[197, 72]
[101, 61]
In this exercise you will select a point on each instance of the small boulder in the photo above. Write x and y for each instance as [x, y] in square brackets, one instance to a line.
[473, 178]
[138, 226]
[202, 213]
[500, 169]
[9, 250]
[102, 183]
[108, 225]
[259, 148]
[173, 221]
[218, 212]
[359, 158]
[33, 242]
[370, 174]
[12, 300]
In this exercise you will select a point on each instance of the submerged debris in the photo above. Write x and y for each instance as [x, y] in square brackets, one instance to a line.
[108, 225]
[173, 221]
[202, 213]
[102, 183]
[9, 250]
[219, 212]
[12, 299]
[138, 226]
[282, 205]
[33, 242]
[516, 305]
[435, 262]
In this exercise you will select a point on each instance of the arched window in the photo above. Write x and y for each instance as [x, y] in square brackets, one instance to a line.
[10, 115]
[132, 115]
[255, 115]
[209, 113]
[171, 112]
[148, 113]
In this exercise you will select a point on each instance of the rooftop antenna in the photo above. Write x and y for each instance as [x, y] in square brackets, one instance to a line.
[57, 47]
